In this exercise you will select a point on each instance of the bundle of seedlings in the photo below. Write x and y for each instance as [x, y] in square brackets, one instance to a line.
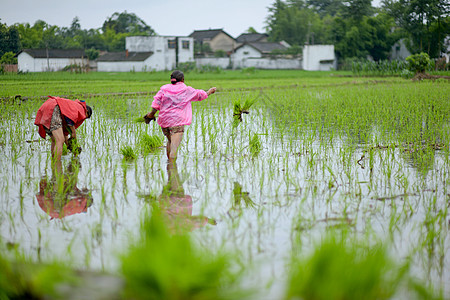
[72, 146]
[144, 119]
[242, 107]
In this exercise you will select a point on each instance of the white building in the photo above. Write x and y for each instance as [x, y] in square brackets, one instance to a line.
[148, 53]
[319, 57]
[399, 50]
[260, 55]
[45, 60]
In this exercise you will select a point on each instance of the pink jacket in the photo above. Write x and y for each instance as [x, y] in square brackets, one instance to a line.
[174, 104]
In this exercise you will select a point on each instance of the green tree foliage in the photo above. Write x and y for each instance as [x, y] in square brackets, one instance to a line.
[251, 30]
[352, 26]
[92, 54]
[326, 7]
[369, 36]
[111, 37]
[8, 58]
[127, 23]
[425, 23]
[294, 23]
[356, 10]
[9, 39]
[418, 63]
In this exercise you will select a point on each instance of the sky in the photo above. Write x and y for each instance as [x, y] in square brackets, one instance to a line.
[166, 17]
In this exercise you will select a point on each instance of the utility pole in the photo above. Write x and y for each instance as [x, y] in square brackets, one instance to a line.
[176, 52]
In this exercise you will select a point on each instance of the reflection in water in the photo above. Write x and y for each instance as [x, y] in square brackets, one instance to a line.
[60, 197]
[240, 199]
[177, 206]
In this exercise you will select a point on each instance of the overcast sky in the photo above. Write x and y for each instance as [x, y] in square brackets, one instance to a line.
[166, 17]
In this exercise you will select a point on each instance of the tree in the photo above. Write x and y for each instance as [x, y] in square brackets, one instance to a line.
[418, 63]
[127, 23]
[425, 22]
[294, 23]
[92, 54]
[9, 39]
[326, 7]
[356, 10]
[8, 58]
[251, 30]
[45, 36]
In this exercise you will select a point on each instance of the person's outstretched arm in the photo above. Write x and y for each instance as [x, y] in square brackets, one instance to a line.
[211, 91]
[151, 115]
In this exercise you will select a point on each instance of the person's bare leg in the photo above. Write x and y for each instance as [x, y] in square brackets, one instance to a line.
[52, 149]
[175, 142]
[56, 164]
[168, 147]
[59, 138]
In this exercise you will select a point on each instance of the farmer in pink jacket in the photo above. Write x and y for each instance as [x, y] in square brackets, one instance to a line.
[173, 101]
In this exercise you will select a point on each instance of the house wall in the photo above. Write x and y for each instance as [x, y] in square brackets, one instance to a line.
[120, 66]
[163, 57]
[242, 54]
[272, 64]
[221, 42]
[25, 62]
[248, 57]
[29, 64]
[313, 54]
[221, 62]
[399, 51]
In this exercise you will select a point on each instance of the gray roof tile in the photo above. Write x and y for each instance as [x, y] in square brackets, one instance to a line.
[200, 35]
[122, 56]
[55, 53]
[250, 37]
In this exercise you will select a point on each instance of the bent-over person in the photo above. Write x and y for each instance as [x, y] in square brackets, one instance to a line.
[59, 118]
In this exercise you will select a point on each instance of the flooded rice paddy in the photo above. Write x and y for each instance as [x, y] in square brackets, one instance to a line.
[370, 160]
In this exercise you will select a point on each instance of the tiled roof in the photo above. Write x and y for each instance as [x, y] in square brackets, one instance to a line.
[122, 56]
[55, 53]
[250, 37]
[200, 35]
[265, 47]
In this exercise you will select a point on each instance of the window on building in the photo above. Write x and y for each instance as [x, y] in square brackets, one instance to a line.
[185, 44]
[246, 53]
[171, 44]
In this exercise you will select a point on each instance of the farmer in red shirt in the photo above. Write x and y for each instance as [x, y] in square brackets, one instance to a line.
[59, 117]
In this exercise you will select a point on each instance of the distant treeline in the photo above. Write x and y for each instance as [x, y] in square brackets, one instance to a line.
[355, 27]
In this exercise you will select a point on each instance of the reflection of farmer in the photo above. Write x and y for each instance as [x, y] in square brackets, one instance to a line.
[59, 117]
[177, 206]
[59, 197]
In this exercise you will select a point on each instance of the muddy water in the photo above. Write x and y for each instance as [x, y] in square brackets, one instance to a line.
[259, 206]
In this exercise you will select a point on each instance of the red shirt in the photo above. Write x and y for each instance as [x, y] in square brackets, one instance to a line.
[74, 110]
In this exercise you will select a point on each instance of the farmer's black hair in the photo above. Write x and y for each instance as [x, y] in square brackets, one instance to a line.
[176, 76]
[88, 111]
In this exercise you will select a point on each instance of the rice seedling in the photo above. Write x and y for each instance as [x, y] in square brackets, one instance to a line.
[255, 145]
[128, 152]
[242, 106]
[165, 266]
[343, 268]
[149, 143]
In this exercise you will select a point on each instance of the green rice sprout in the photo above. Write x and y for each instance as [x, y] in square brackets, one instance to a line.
[242, 106]
[149, 143]
[139, 120]
[241, 198]
[128, 152]
[163, 265]
[255, 145]
[344, 269]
